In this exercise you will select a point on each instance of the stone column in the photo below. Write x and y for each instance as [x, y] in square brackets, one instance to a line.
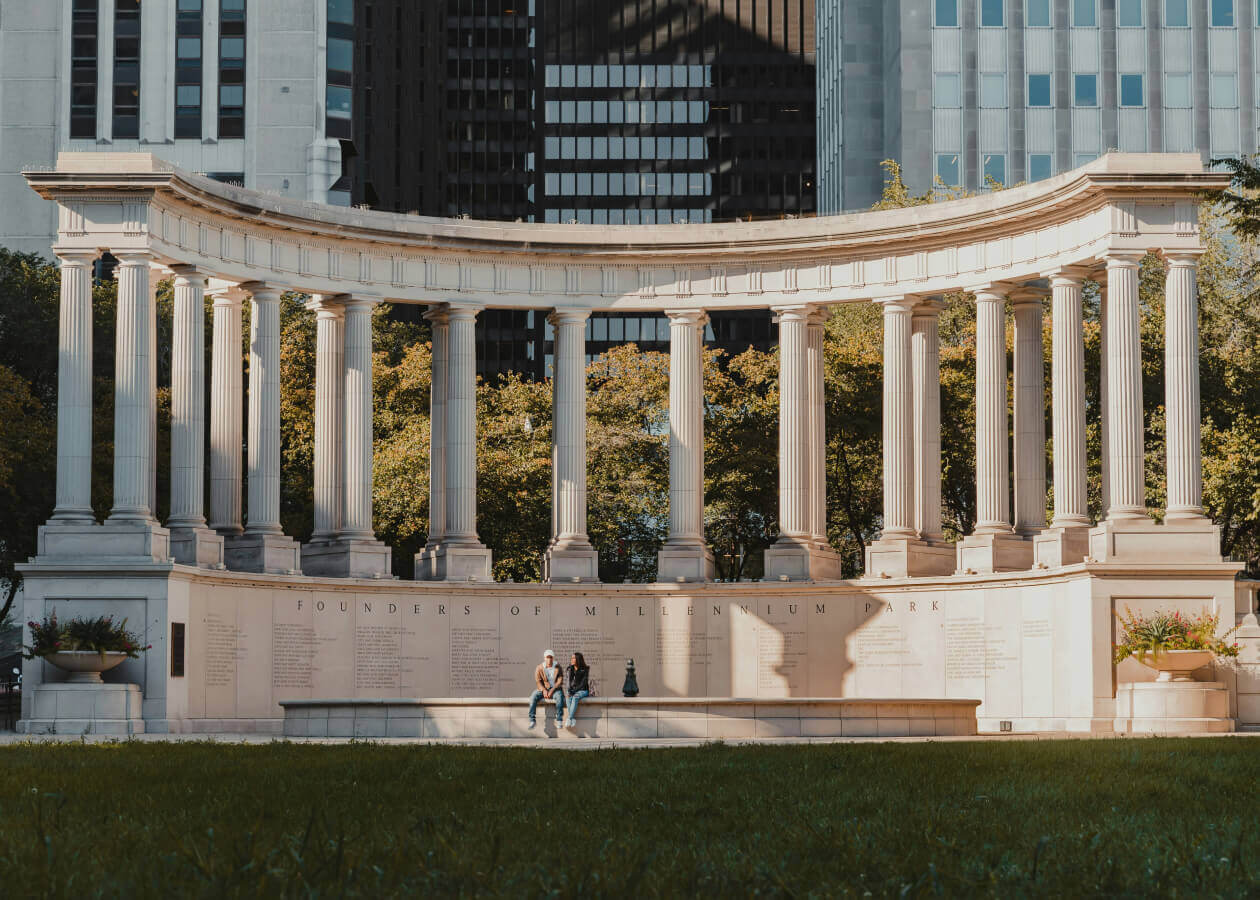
[1181, 386]
[898, 471]
[329, 416]
[685, 555]
[993, 547]
[192, 543]
[357, 512]
[225, 415]
[426, 561]
[74, 392]
[1030, 415]
[925, 350]
[132, 398]
[1126, 454]
[816, 375]
[1104, 423]
[263, 547]
[795, 555]
[570, 557]
[1066, 541]
[462, 556]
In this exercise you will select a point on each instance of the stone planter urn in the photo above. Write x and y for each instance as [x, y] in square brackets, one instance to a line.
[85, 666]
[1177, 665]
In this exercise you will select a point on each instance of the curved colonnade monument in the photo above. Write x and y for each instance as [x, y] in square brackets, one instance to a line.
[1018, 615]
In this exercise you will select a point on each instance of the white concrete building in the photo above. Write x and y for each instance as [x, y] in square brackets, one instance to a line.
[235, 89]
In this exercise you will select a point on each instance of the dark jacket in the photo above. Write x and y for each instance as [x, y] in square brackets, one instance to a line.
[579, 679]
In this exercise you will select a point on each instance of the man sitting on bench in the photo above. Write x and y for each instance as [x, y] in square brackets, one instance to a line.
[549, 684]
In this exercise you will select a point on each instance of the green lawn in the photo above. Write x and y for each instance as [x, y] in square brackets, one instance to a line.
[1131, 817]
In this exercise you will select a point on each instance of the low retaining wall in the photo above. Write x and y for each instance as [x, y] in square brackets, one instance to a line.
[631, 718]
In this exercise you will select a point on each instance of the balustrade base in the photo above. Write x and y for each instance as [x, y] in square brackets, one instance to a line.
[573, 563]
[1145, 541]
[197, 547]
[347, 558]
[276, 554]
[1063, 546]
[981, 554]
[113, 540]
[909, 558]
[801, 560]
[458, 562]
[684, 562]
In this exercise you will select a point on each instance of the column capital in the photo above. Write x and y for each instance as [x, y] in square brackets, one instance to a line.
[568, 316]
[188, 275]
[991, 293]
[359, 304]
[1124, 259]
[76, 257]
[892, 305]
[1183, 258]
[463, 311]
[1067, 276]
[134, 257]
[820, 316]
[694, 317]
[796, 312]
[327, 306]
[1026, 296]
[261, 292]
[928, 308]
[438, 314]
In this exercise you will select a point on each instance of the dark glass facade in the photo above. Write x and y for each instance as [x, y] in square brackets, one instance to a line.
[84, 27]
[126, 69]
[231, 68]
[188, 51]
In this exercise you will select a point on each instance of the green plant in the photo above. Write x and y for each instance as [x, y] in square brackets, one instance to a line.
[99, 635]
[1154, 634]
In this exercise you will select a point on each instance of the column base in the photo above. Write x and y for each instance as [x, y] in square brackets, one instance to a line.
[982, 554]
[146, 541]
[1145, 541]
[574, 562]
[275, 554]
[790, 559]
[684, 562]
[909, 558]
[348, 558]
[197, 546]
[1062, 546]
[69, 708]
[454, 562]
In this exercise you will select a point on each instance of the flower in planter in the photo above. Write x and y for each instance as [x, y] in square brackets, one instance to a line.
[98, 635]
[1156, 633]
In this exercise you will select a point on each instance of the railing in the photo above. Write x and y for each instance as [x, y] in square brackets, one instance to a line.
[10, 705]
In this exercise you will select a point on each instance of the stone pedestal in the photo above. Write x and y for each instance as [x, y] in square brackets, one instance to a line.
[197, 547]
[981, 554]
[1057, 547]
[1142, 540]
[801, 561]
[1173, 707]
[676, 561]
[276, 554]
[570, 563]
[113, 540]
[909, 558]
[65, 708]
[347, 558]
[447, 562]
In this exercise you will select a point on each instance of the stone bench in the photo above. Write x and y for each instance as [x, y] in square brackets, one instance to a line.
[712, 718]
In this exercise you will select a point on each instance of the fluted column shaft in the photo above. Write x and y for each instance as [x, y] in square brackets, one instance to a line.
[74, 391]
[440, 326]
[1068, 387]
[188, 405]
[1181, 386]
[225, 416]
[461, 429]
[263, 448]
[794, 457]
[898, 420]
[1030, 417]
[151, 298]
[132, 395]
[992, 455]
[1126, 457]
[568, 479]
[1104, 404]
[686, 426]
[815, 373]
[329, 417]
[357, 512]
[925, 350]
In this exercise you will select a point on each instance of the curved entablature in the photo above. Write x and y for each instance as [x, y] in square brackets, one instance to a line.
[125, 202]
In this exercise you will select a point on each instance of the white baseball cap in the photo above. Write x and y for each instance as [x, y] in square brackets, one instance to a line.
[549, 653]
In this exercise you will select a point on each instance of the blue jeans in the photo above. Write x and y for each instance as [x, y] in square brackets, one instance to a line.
[577, 698]
[557, 695]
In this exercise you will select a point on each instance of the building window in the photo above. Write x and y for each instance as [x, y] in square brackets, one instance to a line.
[1084, 159]
[231, 68]
[1129, 13]
[948, 93]
[1040, 166]
[1084, 13]
[1177, 14]
[1085, 90]
[1038, 90]
[1177, 91]
[339, 64]
[1224, 90]
[993, 90]
[341, 12]
[946, 14]
[947, 169]
[994, 169]
[1222, 13]
[188, 69]
[1038, 14]
[83, 76]
[1131, 90]
[991, 14]
[127, 69]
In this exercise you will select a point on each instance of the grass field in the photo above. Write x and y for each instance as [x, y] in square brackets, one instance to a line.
[1065, 818]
